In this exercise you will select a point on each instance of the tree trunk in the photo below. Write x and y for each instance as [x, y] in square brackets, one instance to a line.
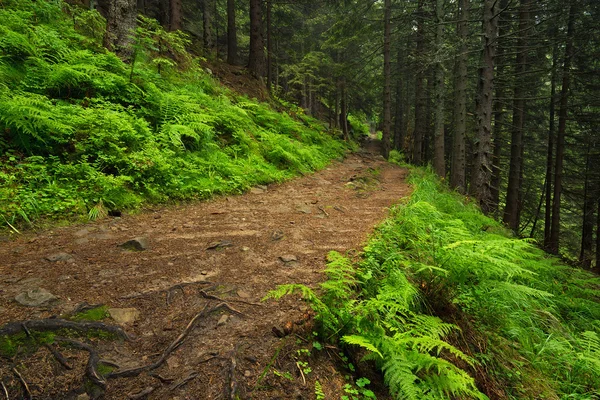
[439, 152]
[589, 206]
[596, 269]
[458, 169]
[553, 245]
[175, 15]
[256, 63]
[420, 121]
[207, 24]
[387, 76]
[550, 154]
[513, 194]
[344, 111]
[231, 33]
[399, 131]
[482, 170]
[120, 23]
[269, 47]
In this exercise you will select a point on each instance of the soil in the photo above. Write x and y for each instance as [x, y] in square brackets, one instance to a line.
[230, 250]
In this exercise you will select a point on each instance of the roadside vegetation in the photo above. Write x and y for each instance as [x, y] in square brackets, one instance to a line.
[85, 134]
[447, 303]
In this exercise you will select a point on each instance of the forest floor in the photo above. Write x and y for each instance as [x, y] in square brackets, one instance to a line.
[191, 300]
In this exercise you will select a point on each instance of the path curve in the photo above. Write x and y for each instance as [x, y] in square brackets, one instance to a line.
[334, 209]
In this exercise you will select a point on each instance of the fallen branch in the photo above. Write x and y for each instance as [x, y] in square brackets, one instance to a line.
[213, 297]
[5, 390]
[231, 386]
[91, 369]
[174, 345]
[58, 355]
[23, 383]
[323, 211]
[55, 324]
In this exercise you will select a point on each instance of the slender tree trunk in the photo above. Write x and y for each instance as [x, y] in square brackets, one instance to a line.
[428, 136]
[498, 139]
[458, 169]
[513, 194]
[482, 170]
[175, 15]
[399, 131]
[120, 23]
[256, 63]
[387, 76]
[439, 152]
[420, 120]
[589, 206]
[596, 269]
[231, 33]
[207, 24]
[269, 47]
[553, 245]
[344, 110]
[550, 155]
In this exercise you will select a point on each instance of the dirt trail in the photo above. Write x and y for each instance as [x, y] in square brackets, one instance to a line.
[299, 222]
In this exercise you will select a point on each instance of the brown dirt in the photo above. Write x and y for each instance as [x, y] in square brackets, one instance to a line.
[334, 209]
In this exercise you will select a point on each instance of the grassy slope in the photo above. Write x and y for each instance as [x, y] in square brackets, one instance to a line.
[85, 133]
[443, 292]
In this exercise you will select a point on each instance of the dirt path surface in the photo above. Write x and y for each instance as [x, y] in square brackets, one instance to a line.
[224, 254]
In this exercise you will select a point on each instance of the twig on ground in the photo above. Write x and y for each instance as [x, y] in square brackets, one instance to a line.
[23, 383]
[142, 394]
[162, 378]
[91, 370]
[167, 290]
[231, 385]
[58, 355]
[301, 373]
[339, 209]
[5, 390]
[323, 211]
[191, 376]
[213, 297]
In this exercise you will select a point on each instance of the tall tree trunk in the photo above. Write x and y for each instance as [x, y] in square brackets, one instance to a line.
[269, 47]
[231, 33]
[344, 110]
[553, 245]
[439, 152]
[513, 194]
[256, 63]
[596, 269]
[458, 168]
[482, 170]
[550, 154]
[399, 132]
[498, 139]
[207, 24]
[120, 23]
[589, 206]
[420, 120]
[387, 76]
[175, 15]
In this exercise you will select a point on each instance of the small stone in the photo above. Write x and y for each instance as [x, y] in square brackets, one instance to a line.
[82, 232]
[256, 190]
[204, 273]
[136, 244]
[124, 315]
[223, 320]
[59, 257]
[263, 187]
[277, 235]
[288, 258]
[247, 373]
[35, 297]
[304, 209]
[245, 248]
[243, 294]
[82, 241]
[83, 396]
[220, 244]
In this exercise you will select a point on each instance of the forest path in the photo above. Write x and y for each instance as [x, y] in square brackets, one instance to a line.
[270, 236]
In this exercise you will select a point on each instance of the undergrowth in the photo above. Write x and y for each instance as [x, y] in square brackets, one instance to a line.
[443, 294]
[85, 133]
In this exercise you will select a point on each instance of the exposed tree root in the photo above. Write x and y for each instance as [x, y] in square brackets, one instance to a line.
[55, 324]
[174, 345]
[59, 357]
[23, 383]
[91, 369]
[4, 390]
[168, 291]
[191, 376]
[142, 394]
[231, 382]
[213, 297]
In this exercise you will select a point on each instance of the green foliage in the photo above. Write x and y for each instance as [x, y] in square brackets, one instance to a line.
[319, 394]
[84, 133]
[93, 314]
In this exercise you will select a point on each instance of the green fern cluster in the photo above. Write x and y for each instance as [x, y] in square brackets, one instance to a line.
[81, 128]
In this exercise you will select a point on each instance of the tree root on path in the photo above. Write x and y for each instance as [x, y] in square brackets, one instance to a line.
[231, 383]
[167, 291]
[210, 296]
[91, 369]
[128, 373]
[55, 324]
[23, 383]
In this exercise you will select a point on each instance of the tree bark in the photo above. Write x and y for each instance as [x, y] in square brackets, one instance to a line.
[269, 47]
[344, 110]
[387, 74]
[256, 63]
[458, 168]
[231, 33]
[399, 131]
[550, 154]
[420, 120]
[589, 206]
[207, 24]
[553, 245]
[175, 15]
[120, 23]
[439, 152]
[513, 194]
[483, 163]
